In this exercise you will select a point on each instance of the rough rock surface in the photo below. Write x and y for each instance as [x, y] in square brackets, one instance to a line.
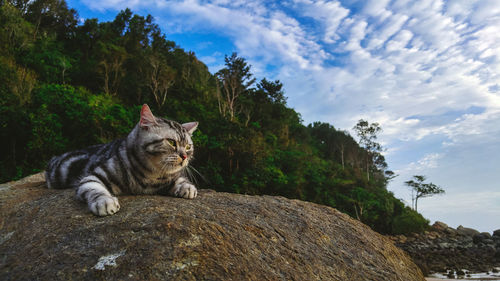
[47, 235]
[445, 249]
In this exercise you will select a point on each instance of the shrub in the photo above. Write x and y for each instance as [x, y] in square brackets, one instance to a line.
[409, 222]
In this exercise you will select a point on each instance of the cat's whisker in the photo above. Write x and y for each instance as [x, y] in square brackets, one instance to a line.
[190, 176]
[192, 169]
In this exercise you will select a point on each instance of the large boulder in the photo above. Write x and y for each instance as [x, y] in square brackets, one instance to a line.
[47, 235]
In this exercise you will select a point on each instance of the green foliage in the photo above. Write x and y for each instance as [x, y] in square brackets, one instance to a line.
[409, 222]
[65, 86]
[46, 134]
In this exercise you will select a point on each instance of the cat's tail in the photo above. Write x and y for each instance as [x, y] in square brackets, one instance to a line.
[47, 181]
[65, 169]
[51, 173]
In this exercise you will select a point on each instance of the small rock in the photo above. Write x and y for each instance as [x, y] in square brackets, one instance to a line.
[489, 242]
[450, 231]
[481, 237]
[402, 239]
[440, 226]
[487, 235]
[466, 231]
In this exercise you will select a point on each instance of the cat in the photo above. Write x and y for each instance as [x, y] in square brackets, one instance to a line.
[152, 159]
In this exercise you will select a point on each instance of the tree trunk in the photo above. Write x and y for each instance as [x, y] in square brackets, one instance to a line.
[342, 156]
[416, 200]
[356, 210]
[412, 199]
[367, 169]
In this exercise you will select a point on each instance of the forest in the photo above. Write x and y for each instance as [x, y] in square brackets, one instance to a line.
[66, 84]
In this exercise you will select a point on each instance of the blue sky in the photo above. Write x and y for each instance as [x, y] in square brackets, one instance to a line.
[427, 71]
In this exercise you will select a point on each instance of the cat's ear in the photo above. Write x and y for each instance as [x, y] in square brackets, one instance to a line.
[190, 127]
[147, 117]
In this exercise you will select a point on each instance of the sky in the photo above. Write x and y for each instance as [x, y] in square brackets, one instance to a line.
[427, 71]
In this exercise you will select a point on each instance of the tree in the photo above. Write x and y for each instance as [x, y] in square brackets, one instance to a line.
[49, 17]
[113, 57]
[15, 34]
[362, 200]
[273, 90]
[235, 79]
[419, 189]
[160, 78]
[368, 135]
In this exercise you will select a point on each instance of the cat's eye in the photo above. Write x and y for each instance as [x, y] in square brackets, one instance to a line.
[188, 147]
[171, 142]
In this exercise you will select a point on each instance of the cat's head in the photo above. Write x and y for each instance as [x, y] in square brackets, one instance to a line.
[166, 144]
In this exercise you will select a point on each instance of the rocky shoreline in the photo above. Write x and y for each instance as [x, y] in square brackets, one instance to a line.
[445, 249]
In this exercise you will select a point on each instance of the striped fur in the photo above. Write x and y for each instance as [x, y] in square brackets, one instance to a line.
[151, 160]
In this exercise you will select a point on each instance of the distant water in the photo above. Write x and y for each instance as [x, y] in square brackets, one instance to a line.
[469, 276]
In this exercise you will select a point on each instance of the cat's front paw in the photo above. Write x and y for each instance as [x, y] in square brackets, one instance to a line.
[104, 206]
[184, 189]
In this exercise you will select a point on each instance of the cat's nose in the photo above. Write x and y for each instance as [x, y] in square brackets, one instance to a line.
[183, 156]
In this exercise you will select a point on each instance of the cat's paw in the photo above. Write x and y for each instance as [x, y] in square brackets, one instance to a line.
[104, 206]
[185, 190]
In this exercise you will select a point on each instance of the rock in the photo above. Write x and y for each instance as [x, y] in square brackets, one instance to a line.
[496, 233]
[486, 235]
[450, 231]
[436, 250]
[47, 235]
[466, 231]
[440, 226]
[432, 235]
[400, 238]
[481, 237]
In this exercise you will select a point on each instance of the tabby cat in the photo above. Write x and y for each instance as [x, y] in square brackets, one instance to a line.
[152, 159]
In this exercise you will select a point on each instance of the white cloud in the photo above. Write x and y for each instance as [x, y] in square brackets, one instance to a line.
[382, 33]
[377, 8]
[357, 32]
[328, 14]
[485, 10]
[400, 41]
[429, 161]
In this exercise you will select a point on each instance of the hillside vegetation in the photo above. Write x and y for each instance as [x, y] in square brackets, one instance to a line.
[65, 85]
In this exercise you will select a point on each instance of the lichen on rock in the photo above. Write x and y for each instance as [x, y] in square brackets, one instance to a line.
[109, 260]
